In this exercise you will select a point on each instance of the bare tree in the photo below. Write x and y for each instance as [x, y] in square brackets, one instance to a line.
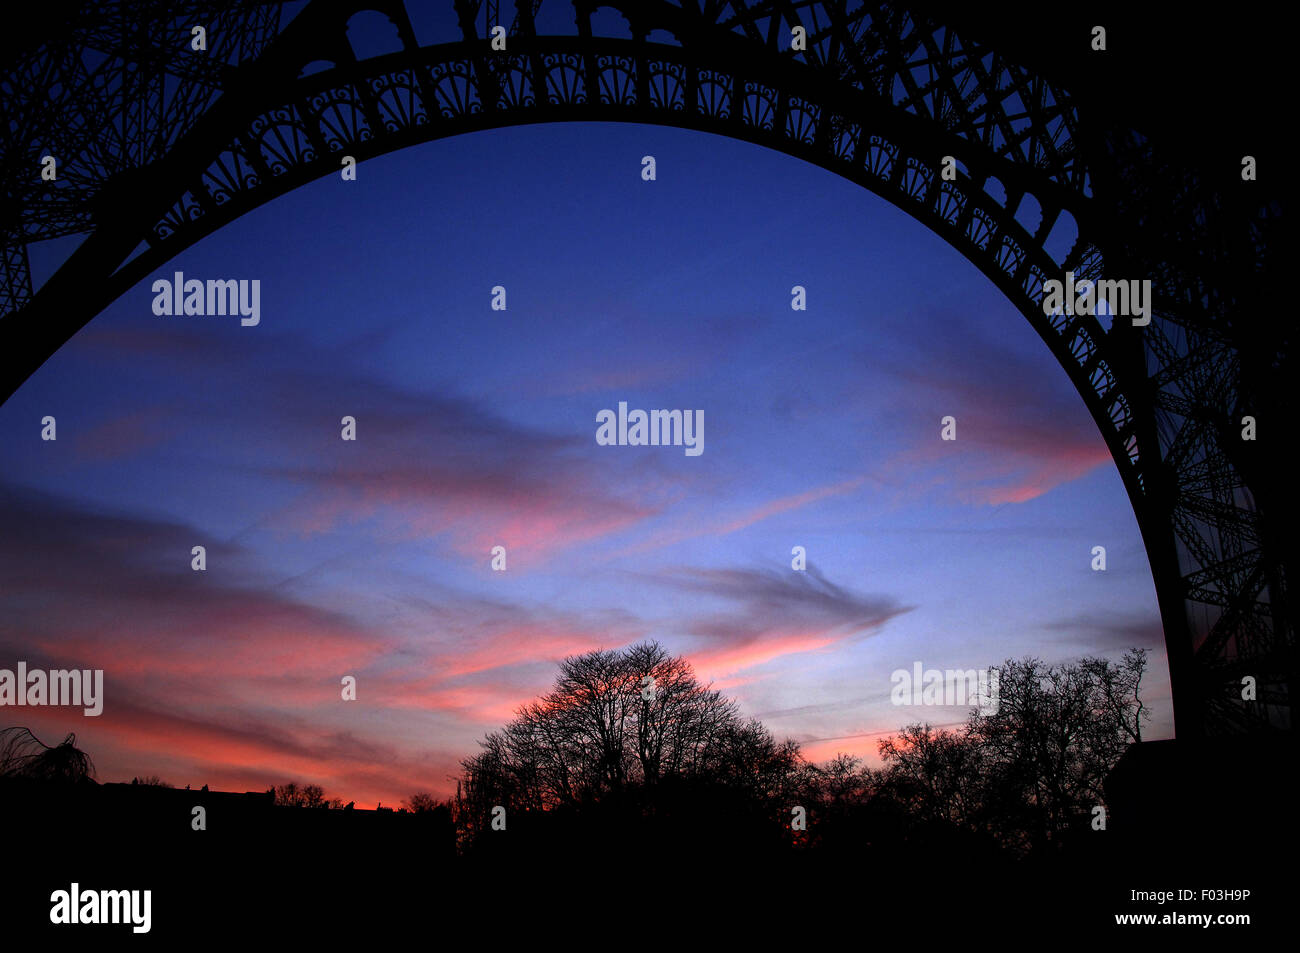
[291, 795]
[617, 721]
[1033, 769]
[1118, 695]
[24, 756]
[1057, 733]
[620, 725]
[938, 775]
[421, 802]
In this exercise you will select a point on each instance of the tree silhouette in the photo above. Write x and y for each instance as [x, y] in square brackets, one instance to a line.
[24, 757]
[937, 775]
[1032, 770]
[618, 727]
[419, 802]
[628, 747]
[633, 734]
[308, 795]
[1057, 733]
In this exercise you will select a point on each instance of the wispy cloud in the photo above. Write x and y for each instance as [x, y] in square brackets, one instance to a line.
[1022, 429]
[226, 677]
[691, 526]
[427, 462]
[773, 614]
[1106, 631]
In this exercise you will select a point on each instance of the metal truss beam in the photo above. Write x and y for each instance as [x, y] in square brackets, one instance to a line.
[162, 145]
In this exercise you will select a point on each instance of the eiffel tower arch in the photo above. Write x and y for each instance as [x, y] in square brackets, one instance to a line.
[160, 145]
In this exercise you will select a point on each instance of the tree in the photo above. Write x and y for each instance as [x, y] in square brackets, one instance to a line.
[1034, 769]
[633, 731]
[422, 802]
[937, 775]
[291, 795]
[23, 756]
[617, 725]
[1057, 733]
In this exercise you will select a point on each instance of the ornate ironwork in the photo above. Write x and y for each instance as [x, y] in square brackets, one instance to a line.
[163, 146]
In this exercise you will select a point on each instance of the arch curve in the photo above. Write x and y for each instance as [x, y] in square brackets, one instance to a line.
[880, 96]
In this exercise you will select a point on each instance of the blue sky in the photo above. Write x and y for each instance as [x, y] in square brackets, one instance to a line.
[477, 428]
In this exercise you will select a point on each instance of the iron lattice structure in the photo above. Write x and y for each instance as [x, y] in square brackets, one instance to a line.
[159, 145]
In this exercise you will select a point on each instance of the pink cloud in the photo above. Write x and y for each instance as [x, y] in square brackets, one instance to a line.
[864, 746]
[774, 614]
[1011, 447]
[254, 752]
[476, 503]
[725, 660]
[697, 527]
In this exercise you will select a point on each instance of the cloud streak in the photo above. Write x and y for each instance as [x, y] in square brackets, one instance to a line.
[1021, 431]
[773, 614]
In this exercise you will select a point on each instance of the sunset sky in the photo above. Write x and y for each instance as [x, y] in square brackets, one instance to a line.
[477, 428]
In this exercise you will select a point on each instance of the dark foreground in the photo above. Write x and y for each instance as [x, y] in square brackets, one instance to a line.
[264, 873]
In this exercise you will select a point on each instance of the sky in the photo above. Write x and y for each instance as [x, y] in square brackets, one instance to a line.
[477, 428]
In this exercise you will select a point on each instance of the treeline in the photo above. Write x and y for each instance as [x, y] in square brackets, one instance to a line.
[630, 745]
[632, 739]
